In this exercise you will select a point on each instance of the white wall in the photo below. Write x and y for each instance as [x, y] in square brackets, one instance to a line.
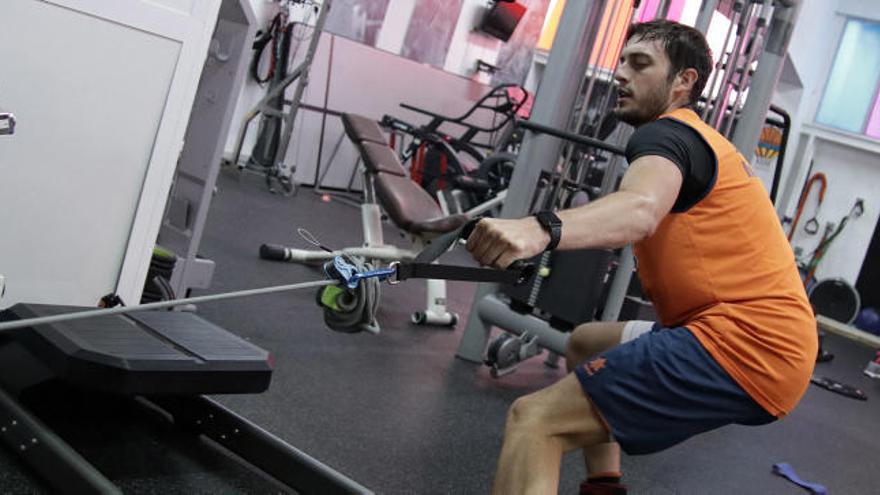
[396, 23]
[469, 45]
[365, 80]
[811, 51]
[466, 46]
[102, 95]
[851, 164]
[853, 173]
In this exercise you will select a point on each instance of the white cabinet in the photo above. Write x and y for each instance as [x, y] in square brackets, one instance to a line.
[102, 90]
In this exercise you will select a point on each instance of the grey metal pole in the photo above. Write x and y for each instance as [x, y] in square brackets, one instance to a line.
[619, 285]
[609, 90]
[554, 100]
[707, 8]
[495, 310]
[764, 81]
[596, 69]
[710, 94]
[745, 77]
[595, 72]
[553, 107]
[662, 9]
[290, 117]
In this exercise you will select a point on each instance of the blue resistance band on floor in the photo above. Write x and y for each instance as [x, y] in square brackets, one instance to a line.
[786, 471]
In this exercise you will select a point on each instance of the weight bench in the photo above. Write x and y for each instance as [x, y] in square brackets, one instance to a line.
[408, 205]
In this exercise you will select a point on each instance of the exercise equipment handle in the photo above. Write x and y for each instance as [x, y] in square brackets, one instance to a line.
[780, 159]
[518, 273]
[425, 112]
[508, 106]
[568, 136]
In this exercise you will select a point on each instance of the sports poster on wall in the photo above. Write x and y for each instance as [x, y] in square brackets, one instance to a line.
[358, 20]
[430, 31]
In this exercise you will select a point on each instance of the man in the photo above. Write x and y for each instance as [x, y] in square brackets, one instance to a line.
[736, 341]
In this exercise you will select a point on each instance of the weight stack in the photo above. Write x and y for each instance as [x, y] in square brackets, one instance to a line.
[161, 266]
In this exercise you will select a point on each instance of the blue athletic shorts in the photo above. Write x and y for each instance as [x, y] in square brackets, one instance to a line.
[662, 388]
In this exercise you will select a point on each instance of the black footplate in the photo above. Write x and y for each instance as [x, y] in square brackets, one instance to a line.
[156, 352]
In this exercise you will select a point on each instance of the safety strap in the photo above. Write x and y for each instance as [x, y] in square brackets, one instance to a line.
[444, 242]
[786, 471]
[515, 275]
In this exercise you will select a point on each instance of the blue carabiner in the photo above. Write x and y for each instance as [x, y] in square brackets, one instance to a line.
[349, 275]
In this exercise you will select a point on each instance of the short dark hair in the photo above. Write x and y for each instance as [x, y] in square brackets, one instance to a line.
[685, 46]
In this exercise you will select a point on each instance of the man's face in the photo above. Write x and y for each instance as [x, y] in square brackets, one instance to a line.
[642, 76]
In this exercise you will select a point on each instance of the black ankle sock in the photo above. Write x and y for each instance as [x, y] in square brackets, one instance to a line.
[604, 479]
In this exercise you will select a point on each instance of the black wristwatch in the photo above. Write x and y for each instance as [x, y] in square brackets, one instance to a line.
[553, 225]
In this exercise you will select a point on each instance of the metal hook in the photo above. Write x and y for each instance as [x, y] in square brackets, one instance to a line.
[858, 208]
[812, 226]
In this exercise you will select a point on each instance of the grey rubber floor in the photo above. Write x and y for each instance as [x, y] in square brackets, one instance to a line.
[400, 414]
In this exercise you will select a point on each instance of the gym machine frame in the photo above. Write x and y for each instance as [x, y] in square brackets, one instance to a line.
[552, 108]
[540, 149]
[300, 76]
[192, 190]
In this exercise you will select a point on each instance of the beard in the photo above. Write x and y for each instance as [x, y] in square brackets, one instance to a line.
[645, 108]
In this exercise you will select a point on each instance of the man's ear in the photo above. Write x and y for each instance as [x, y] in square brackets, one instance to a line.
[687, 78]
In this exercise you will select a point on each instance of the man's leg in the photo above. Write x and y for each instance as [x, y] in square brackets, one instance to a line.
[586, 341]
[540, 428]
[590, 339]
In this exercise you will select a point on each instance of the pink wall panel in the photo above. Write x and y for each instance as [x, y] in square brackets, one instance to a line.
[873, 128]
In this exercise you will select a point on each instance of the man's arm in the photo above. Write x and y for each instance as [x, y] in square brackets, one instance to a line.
[647, 193]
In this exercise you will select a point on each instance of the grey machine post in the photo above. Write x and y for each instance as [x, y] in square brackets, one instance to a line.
[763, 83]
[554, 103]
[704, 17]
[219, 86]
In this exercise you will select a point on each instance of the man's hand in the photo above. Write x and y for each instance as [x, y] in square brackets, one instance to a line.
[499, 242]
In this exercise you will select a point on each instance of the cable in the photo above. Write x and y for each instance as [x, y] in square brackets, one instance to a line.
[9, 325]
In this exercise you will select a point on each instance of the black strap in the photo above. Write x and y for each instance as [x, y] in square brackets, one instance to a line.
[442, 243]
[518, 273]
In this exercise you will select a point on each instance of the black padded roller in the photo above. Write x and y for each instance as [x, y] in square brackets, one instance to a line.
[273, 252]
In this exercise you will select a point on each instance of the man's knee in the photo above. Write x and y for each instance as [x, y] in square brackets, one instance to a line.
[578, 348]
[525, 413]
[534, 416]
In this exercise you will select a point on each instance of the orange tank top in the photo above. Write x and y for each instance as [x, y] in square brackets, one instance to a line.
[725, 270]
